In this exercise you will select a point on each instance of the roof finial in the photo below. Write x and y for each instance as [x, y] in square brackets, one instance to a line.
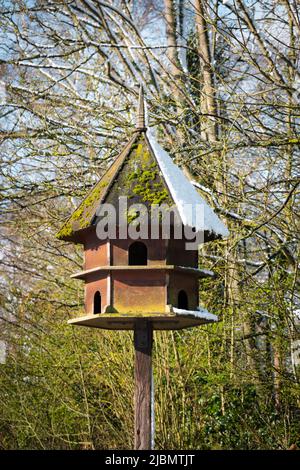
[140, 116]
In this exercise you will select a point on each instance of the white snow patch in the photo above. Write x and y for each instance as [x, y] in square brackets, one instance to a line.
[206, 272]
[193, 209]
[199, 313]
[2, 352]
[297, 313]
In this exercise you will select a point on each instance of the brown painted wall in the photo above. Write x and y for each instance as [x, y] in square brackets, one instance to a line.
[159, 252]
[139, 290]
[97, 281]
[178, 255]
[186, 282]
[95, 251]
[141, 294]
[156, 251]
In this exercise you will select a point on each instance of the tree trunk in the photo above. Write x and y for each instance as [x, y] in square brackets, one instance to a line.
[172, 53]
[208, 99]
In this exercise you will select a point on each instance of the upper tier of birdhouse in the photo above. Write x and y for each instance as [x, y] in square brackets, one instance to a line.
[144, 173]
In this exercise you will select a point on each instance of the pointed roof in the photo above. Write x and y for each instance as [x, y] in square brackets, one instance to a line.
[183, 193]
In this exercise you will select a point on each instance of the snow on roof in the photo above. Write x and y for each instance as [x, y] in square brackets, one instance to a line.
[199, 313]
[185, 196]
[205, 272]
[297, 313]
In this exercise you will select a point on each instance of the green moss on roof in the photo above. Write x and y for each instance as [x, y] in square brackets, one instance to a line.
[140, 179]
[134, 174]
[82, 216]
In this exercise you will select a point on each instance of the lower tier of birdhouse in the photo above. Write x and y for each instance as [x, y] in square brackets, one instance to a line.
[116, 297]
[140, 289]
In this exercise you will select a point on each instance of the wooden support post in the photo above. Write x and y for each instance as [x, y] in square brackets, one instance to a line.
[143, 338]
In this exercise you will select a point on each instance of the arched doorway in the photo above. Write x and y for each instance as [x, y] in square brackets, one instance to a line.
[182, 301]
[97, 302]
[137, 254]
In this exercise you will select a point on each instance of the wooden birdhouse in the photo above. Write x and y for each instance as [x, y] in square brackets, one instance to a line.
[150, 276]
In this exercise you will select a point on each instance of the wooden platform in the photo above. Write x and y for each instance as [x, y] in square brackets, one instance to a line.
[201, 273]
[127, 321]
